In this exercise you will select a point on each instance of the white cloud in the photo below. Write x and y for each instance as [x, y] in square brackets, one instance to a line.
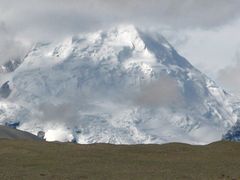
[209, 50]
[229, 77]
[206, 33]
[10, 47]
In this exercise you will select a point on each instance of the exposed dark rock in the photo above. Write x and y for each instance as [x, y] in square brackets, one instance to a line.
[234, 133]
[41, 135]
[5, 90]
[13, 125]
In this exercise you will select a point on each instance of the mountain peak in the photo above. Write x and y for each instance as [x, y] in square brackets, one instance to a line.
[130, 28]
[124, 35]
[115, 86]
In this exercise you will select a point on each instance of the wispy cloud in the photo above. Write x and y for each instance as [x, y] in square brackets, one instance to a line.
[164, 92]
[229, 77]
[10, 47]
[56, 17]
[27, 21]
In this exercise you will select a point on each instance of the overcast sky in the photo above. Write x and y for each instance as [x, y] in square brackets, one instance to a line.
[204, 31]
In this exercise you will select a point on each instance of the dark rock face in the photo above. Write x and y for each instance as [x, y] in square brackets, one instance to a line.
[10, 66]
[13, 125]
[5, 90]
[233, 134]
[41, 135]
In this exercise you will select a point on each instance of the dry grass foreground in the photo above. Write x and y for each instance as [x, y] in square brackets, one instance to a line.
[22, 159]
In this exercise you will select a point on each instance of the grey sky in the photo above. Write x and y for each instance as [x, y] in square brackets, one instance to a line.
[55, 17]
[205, 31]
[10, 47]
[229, 77]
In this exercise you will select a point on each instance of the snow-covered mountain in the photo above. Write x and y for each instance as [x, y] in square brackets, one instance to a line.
[121, 85]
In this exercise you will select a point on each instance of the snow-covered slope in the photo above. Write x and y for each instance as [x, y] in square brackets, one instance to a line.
[116, 86]
[234, 133]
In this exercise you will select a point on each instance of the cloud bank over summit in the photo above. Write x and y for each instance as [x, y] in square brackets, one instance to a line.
[23, 23]
[81, 14]
[56, 17]
[34, 20]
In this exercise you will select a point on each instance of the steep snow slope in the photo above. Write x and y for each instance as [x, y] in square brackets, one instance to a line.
[117, 86]
[234, 133]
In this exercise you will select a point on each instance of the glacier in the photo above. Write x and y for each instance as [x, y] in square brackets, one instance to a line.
[120, 86]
